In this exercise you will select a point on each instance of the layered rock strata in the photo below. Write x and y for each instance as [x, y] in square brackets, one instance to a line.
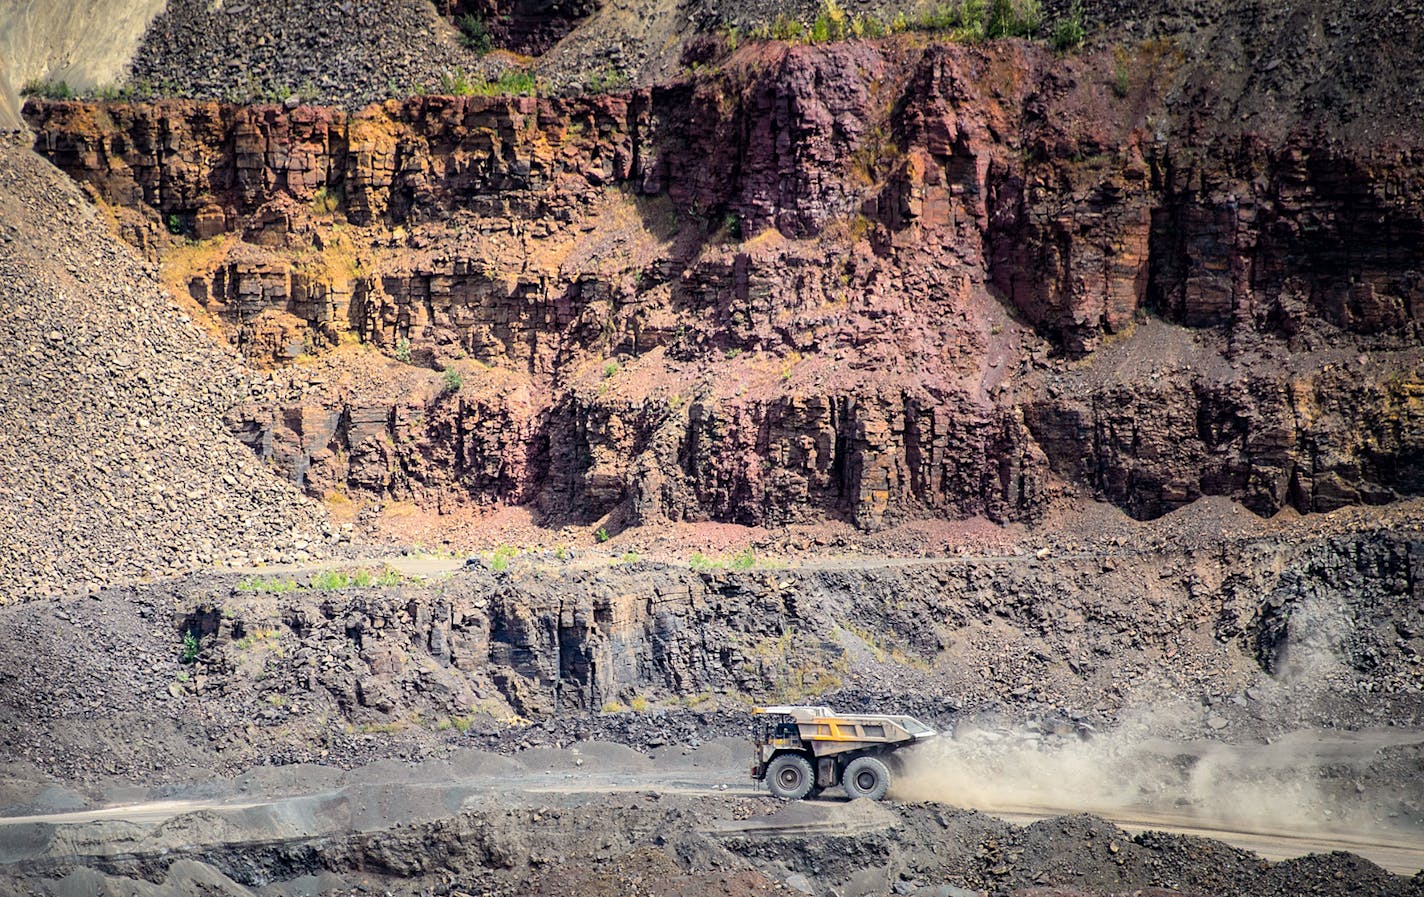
[871, 280]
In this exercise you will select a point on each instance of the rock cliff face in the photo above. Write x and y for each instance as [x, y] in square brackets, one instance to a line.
[871, 280]
[1335, 621]
[576, 639]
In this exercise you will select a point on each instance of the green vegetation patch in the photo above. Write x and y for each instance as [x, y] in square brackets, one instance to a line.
[49, 90]
[746, 559]
[325, 581]
[961, 20]
[457, 82]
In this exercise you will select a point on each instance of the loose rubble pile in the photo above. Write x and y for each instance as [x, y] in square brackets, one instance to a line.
[117, 464]
[1263, 65]
[342, 53]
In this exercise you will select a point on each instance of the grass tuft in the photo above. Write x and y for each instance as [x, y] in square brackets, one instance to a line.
[1068, 32]
[501, 556]
[267, 584]
[457, 82]
[191, 647]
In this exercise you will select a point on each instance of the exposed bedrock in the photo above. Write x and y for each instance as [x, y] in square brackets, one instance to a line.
[1322, 631]
[869, 280]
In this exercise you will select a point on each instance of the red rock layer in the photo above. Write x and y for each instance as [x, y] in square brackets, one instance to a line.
[826, 280]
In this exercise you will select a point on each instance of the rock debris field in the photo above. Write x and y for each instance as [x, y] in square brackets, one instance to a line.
[116, 463]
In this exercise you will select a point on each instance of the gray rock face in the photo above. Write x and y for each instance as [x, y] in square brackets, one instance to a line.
[1281, 634]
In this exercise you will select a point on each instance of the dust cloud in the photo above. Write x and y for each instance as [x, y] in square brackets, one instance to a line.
[1308, 781]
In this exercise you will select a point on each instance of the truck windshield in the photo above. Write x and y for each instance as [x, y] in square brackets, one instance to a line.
[915, 727]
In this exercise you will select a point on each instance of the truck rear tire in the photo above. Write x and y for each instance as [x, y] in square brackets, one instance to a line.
[789, 776]
[866, 777]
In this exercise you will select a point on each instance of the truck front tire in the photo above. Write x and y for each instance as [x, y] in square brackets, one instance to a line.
[789, 777]
[866, 777]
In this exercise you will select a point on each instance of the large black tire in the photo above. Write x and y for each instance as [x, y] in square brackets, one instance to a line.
[866, 777]
[789, 776]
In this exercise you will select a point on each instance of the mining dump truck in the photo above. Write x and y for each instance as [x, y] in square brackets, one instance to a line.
[802, 750]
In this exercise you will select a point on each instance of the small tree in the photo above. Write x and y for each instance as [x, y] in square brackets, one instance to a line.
[475, 34]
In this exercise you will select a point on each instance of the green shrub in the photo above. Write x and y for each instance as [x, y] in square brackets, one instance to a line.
[973, 19]
[403, 350]
[601, 535]
[607, 80]
[475, 34]
[453, 380]
[267, 584]
[610, 369]
[732, 224]
[330, 580]
[512, 82]
[326, 200]
[191, 647]
[787, 28]
[868, 26]
[1013, 18]
[745, 559]
[1068, 33]
[940, 17]
[830, 24]
[175, 225]
[454, 82]
[629, 557]
[389, 577]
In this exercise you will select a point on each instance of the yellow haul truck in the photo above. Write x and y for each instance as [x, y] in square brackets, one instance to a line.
[802, 750]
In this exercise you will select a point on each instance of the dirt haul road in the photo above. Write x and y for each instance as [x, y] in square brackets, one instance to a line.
[603, 798]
